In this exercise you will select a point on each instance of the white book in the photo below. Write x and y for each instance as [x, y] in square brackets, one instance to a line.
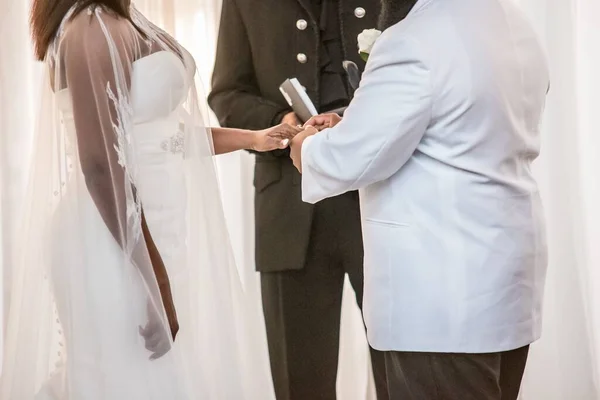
[297, 98]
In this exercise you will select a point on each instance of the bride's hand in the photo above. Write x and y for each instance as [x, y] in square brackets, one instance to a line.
[277, 137]
[155, 334]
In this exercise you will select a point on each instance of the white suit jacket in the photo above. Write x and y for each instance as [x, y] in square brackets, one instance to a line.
[439, 140]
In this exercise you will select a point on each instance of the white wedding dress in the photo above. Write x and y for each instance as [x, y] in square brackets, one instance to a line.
[162, 191]
[79, 297]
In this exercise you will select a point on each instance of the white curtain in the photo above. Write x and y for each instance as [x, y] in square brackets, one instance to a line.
[565, 364]
[17, 119]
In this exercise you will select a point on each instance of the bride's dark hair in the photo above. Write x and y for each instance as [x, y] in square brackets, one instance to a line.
[46, 16]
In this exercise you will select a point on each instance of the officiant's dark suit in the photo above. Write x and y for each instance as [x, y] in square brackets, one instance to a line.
[302, 251]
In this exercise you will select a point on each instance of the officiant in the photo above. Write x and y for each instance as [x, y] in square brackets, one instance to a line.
[303, 252]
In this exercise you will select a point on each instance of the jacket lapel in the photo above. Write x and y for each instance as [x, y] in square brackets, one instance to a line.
[419, 5]
[309, 8]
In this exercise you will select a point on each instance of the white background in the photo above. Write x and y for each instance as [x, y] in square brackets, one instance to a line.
[564, 365]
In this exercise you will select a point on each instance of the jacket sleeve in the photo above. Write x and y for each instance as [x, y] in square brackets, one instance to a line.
[235, 97]
[381, 128]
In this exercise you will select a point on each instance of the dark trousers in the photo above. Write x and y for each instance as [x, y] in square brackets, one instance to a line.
[437, 376]
[302, 308]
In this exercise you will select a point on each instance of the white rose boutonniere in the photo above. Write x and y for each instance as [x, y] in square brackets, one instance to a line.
[366, 41]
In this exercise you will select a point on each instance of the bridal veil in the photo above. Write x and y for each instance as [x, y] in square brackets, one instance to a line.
[115, 146]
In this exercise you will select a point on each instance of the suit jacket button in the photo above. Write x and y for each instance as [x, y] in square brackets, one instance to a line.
[360, 12]
[301, 24]
[301, 57]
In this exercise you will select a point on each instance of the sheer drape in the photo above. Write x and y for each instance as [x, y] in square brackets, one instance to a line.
[17, 118]
[565, 364]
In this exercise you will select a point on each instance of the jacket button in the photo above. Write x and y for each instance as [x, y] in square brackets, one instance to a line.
[301, 57]
[360, 12]
[301, 24]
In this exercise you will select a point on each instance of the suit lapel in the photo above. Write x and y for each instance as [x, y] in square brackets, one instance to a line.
[419, 5]
[309, 8]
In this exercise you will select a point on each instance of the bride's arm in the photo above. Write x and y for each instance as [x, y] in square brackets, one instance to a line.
[226, 140]
[92, 74]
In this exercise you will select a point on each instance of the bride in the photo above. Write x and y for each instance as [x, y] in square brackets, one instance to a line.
[124, 285]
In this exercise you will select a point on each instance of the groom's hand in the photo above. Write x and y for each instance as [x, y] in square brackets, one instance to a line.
[312, 126]
[323, 121]
[296, 145]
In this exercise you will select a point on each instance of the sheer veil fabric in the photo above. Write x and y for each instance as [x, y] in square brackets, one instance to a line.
[120, 142]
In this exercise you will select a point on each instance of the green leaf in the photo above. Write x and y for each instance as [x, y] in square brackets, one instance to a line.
[364, 56]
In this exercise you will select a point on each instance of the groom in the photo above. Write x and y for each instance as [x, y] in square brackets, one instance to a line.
[439, 139]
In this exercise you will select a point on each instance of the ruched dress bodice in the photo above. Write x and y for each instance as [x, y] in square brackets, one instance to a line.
[159, 84]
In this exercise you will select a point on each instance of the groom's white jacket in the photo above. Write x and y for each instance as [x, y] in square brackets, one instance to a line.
[439, 139]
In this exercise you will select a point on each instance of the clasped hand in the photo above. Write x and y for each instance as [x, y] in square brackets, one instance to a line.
[274, 138]
[311, 127]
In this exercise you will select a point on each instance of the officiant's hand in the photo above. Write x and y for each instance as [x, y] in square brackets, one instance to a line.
[296, 145]
[291, 119]
[324, 121]
[277, 137]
